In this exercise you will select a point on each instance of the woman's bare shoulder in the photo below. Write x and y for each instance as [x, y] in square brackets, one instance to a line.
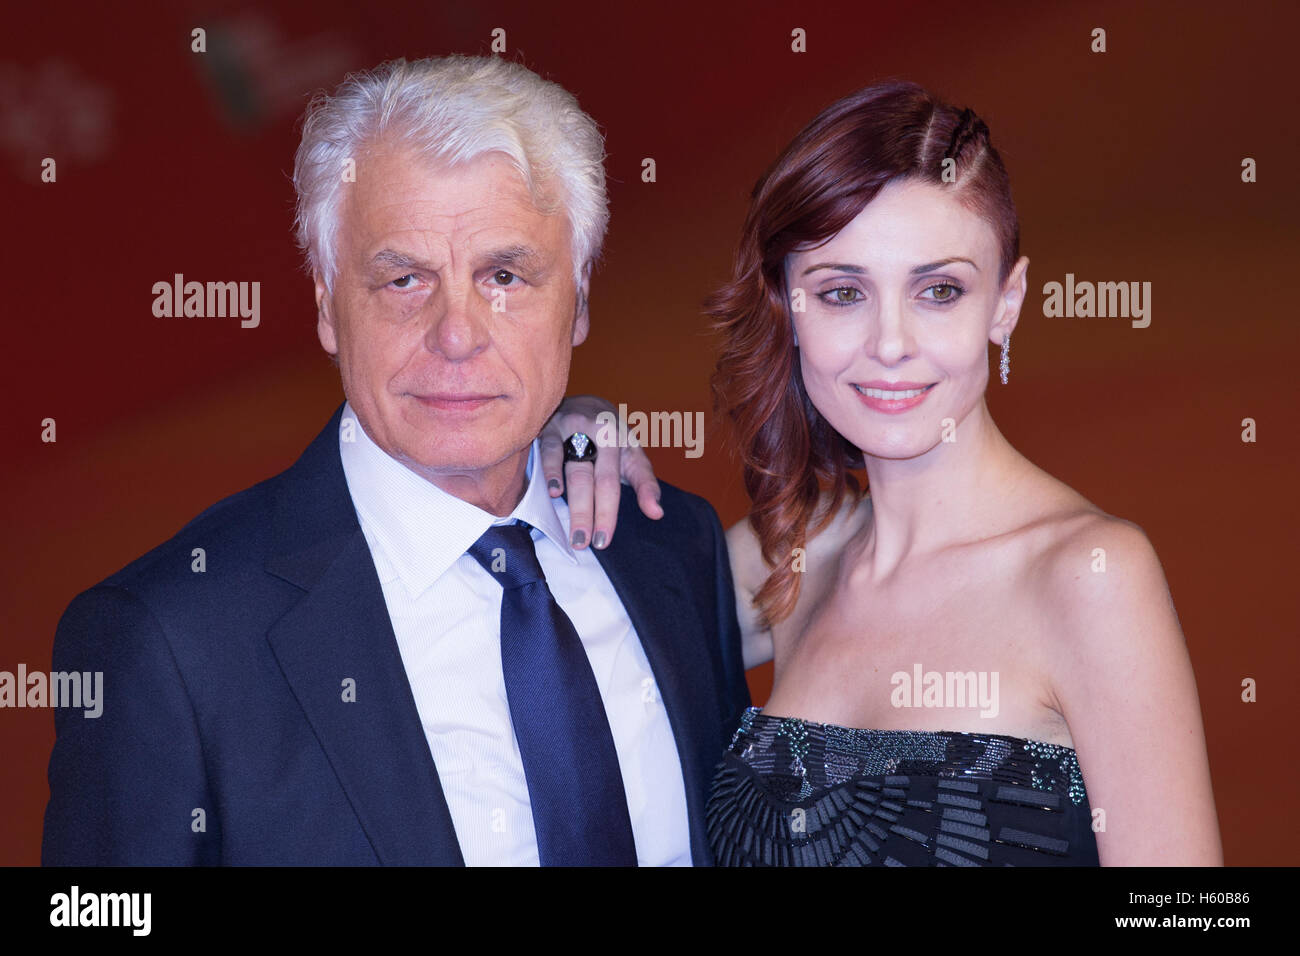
[1068, 526]
[1086, 565]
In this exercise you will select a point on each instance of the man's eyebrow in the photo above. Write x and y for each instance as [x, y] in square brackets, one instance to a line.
[522, 257]
[391, 259]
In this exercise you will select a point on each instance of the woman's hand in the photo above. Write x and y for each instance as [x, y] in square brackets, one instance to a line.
[594, 489]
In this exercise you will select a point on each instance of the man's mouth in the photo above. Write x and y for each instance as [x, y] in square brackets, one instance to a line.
[455, 401]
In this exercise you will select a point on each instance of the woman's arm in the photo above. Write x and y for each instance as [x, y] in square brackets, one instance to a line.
[1128, 694]
[748, 573]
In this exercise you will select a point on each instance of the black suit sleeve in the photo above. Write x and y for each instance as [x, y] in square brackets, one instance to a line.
[124, 785]
[729, 638]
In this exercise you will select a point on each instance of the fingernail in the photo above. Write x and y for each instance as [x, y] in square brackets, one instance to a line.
[579, 538]
[598, 540]
[553, 483]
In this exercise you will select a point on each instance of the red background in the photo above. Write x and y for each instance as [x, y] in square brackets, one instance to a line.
[1125, 165]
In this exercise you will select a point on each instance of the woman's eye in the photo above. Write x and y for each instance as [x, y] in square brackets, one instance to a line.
[844, 295]
[944, 292]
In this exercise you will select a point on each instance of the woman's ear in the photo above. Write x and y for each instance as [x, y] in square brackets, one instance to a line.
[1011, 300]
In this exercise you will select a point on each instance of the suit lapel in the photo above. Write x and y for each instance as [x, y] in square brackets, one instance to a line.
[649, 581]
[340, 631]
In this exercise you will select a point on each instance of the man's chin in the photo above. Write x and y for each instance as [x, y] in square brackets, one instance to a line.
[438, 456]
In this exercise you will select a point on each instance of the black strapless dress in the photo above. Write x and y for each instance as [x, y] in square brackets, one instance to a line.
[792, 792]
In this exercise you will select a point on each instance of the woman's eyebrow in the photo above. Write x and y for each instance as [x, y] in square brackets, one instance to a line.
[940, 263]
[837, 267]
[916, 271]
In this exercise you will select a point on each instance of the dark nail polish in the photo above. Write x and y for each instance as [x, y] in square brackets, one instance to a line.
[598, 540]
[579, 538]
[553, 483]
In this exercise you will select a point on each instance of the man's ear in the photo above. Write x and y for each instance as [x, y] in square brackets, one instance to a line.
[1011, 301]
[325, 327]
[581, 315]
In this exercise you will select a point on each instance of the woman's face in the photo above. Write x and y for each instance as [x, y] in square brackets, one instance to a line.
[898, 309]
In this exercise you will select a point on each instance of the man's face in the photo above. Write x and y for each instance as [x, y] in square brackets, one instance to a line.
[454, 311]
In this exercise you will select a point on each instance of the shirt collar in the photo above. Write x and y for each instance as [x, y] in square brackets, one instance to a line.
[421, 528]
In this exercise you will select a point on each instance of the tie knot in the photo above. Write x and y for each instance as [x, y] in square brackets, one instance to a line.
[506, 552]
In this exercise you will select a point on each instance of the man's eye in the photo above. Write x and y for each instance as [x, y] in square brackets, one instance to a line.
[503, 277]
[404, 282]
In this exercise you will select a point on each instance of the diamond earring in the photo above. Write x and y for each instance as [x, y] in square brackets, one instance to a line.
[1004, 367]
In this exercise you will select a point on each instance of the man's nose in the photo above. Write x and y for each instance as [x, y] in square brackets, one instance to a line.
[458, 323]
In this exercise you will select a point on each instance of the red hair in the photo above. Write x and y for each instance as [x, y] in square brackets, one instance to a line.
[817, 186]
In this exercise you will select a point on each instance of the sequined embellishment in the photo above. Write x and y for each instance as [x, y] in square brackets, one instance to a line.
[794, 729]
[793, 792]
[1053, 760]
[746, 723]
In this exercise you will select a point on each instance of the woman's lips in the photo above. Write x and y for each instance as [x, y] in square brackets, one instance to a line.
[892, 397]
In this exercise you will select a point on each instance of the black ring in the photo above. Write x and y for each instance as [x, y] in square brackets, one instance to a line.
[579, 447]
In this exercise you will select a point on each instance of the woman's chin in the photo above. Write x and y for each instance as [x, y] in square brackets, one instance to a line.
[895, 447]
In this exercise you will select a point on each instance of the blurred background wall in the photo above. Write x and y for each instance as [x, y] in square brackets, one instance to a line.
[1126, 165]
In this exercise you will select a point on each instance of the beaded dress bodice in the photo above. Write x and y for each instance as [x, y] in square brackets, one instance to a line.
[791, 792]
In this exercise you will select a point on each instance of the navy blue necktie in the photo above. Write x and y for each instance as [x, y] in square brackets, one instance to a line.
[574, 784]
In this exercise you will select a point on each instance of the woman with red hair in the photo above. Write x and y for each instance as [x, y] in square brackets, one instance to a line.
[974, 665]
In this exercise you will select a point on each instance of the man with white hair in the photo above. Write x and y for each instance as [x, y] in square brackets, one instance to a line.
[401, 650]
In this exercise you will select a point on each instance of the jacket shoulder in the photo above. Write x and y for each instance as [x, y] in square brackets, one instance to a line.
[237, 534]
[236, 527]
[688, 519]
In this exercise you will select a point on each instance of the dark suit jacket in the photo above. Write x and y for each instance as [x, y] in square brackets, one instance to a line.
[223, 690]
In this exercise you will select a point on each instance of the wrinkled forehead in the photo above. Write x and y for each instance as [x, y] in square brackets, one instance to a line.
[400, 190]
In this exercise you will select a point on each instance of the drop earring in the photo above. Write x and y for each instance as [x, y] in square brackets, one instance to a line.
[1004, 366]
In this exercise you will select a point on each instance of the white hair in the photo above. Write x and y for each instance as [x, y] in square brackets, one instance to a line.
[452, 109]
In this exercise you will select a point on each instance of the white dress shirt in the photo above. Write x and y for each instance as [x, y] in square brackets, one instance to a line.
[446, 613]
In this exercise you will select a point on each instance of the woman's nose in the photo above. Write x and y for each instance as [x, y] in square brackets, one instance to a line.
[890, 337]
